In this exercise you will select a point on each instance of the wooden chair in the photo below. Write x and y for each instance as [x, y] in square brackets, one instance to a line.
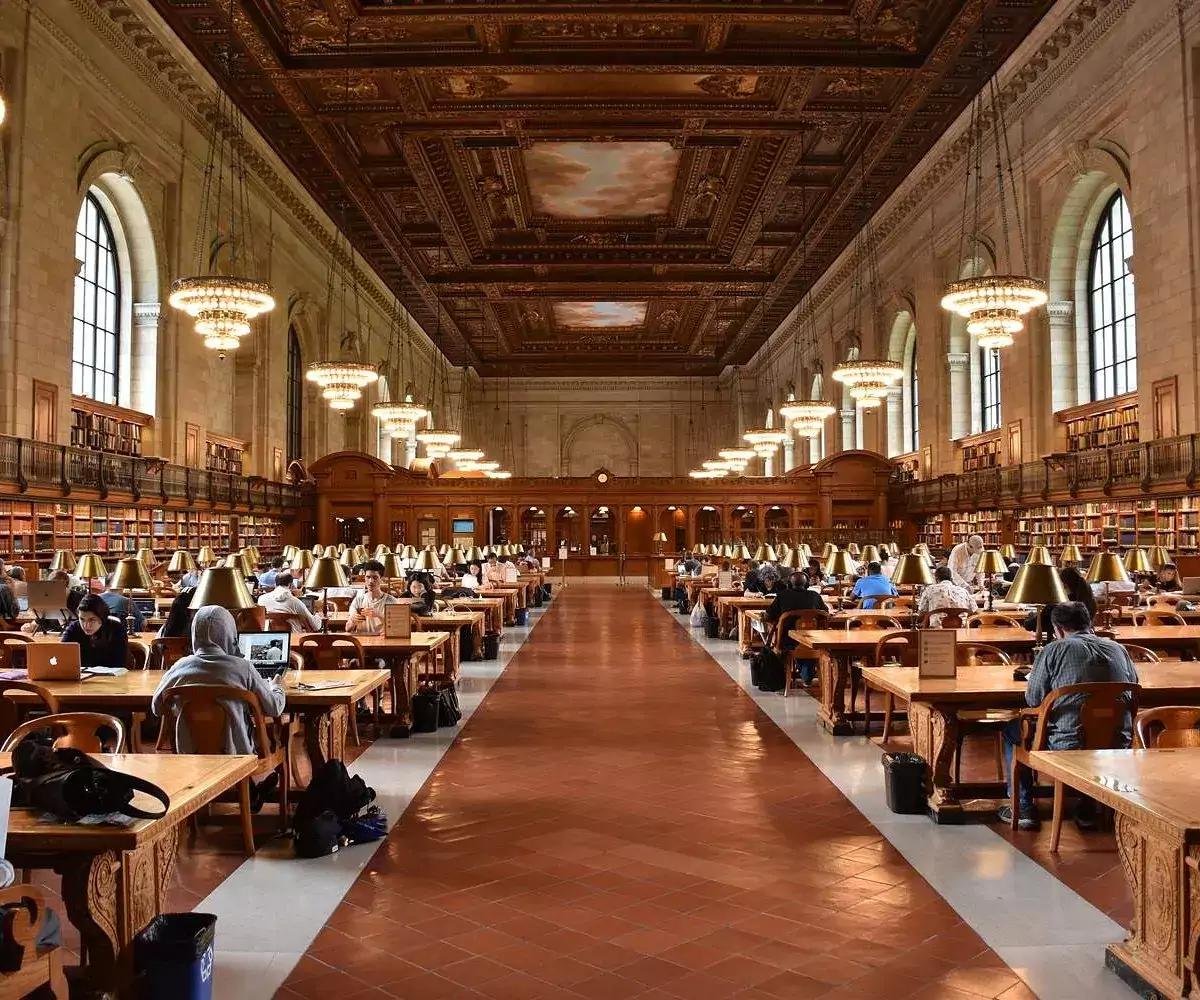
[337, 604]
[869, 621]
[337, 651]
[1140, 654]
[1168, 728]
[207, 710]
[987, 721]
[1102, 721]
[1164, 601]
[26, 970]
[993, 619]
[1126, 600]
[896, 603]
[1154, 618]
[896, 649]
[165, 652]
[12, 714]
[250, 619]
[137, 655]
[947, 618]
[981, 654]
[12, 650]
[286, 621]
[81, 730]
[802, 619]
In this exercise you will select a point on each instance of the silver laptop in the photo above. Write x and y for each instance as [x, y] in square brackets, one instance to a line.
[266, 651]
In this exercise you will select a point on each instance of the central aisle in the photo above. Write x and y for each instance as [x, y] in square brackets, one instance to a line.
[619, 820]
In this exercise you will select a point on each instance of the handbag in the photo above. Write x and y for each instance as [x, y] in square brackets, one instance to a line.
[71, 785]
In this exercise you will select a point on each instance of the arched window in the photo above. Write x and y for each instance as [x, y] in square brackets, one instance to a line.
[989, 389]
[914, 405]
[295, 397]
[1111, 318]
[96, 316]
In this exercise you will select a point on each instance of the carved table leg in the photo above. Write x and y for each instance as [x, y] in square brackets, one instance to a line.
[325, 731]
[833, 672]
[109, 897]
[935, 737]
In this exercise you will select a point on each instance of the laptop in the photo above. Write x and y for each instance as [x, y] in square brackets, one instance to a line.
[146, 605]
[266, 651]
[46, 595]
[53, 661]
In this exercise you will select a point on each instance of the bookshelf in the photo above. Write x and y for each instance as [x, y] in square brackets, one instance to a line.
[907, 468]
[30, 531]
[985, 523]
[1105, 424]
[1173, 522]
[112, 429]
[223, 454]
[981, 451]
[933, 533]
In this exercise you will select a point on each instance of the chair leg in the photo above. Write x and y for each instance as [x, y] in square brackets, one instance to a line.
[1056, 821]
[855, 674]
[788, 667]
[866, 709]
[889, 710]
[958, 747]
[1014, 800]
[999, 754]
[284, 793]
[247, 817]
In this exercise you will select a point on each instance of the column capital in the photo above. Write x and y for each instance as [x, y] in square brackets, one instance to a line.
[1060, 312]
[147, 313]
[958, 362]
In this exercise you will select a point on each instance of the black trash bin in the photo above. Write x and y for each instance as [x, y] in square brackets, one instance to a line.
[712, 627]
[522, 617]
[904, 779]
[547, 590]
[173, 955]
[668, 593]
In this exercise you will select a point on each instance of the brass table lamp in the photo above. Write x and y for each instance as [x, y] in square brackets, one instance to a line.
[224, 587]
[1136, 561]
[302, 561]
[841, 564]
[91, 567]
[392, 569]
[1039, 584]
[181, 562]
[146, 556]
[991, 565]
[1070, 556]
[325, 572]
[206, 557]
[1040, 555]
[853, 549]
[791, 560]
[869, 554]
[428, 560]
[660, 539]
[912, 570]
[1009, 552]
[475, 554]
[1158, 556]
[64, 561]
[1106, 568]
[765, 553]
[131, 574]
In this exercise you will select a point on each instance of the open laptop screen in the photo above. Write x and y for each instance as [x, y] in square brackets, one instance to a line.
[266, 651]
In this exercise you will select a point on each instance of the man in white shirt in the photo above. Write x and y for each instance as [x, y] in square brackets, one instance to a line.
[493, 572]
[366, 610]
[281, 601]
[964, 558]
[943, 593]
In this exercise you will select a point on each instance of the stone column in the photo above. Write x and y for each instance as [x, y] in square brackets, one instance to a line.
[897, 442]
[958, 366]
[789, 453]
[847, 440]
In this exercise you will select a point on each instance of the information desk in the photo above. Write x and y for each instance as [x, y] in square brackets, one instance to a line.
[936, 703]
[1156, 798]
[115, 878]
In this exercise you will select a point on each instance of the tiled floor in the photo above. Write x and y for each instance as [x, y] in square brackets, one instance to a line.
[619, 820]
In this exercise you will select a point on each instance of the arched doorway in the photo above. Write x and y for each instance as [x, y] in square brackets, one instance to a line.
[602, 536]
[567, 531]
[744, 519]
[533, 528]
[777, 521]
[708, 526]
[499, 526]
[672, 522]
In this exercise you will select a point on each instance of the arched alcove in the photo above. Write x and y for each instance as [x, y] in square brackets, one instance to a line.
[596, 442]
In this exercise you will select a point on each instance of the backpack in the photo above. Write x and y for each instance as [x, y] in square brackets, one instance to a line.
[767, 670]
[332, 810]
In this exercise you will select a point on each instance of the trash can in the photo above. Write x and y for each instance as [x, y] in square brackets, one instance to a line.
[522, 617]
[547, 590]
[173, 955]
[712, 627]
[904, 779]
[668, 593]
[491, 646]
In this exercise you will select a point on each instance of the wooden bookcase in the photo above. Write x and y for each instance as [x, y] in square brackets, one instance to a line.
[1173, 522]
[981, 451]
[1104, 424]
[985, 523]
[223, 454]
[112, 429]
[933, 533]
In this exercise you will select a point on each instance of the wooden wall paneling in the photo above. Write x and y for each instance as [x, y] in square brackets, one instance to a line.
[1166, 407]
[45, 411]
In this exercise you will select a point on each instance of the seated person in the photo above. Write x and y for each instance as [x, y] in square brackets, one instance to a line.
[282, 601]
[420, 592]
[1010, 574]
[797, 596]
[269, 578]
[873, 584]
[1167, 580]
[1076, 656]
[179, 617]
[472, 578]
[122, 607]
[943, 593]
[102, 640]
[690, 565]
[366, 610]
[216, 660]
[9, 611]
[752, 585]
[1077, 589]
[493, 572]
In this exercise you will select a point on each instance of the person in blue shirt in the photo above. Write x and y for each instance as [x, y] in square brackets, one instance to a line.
[873, 584]
[121, 607]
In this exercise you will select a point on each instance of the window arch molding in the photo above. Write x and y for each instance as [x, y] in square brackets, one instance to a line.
[902, 348]
[1101, 171]
[107, 177]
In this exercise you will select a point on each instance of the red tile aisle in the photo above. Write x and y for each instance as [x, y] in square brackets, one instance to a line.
[618, 820]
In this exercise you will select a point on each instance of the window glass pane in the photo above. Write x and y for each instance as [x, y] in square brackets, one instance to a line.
[1111, 307]
[96, 313]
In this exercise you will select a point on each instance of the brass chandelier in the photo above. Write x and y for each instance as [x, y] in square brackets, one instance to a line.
[400, 417]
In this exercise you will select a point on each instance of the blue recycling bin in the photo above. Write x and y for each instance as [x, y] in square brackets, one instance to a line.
[174, 957]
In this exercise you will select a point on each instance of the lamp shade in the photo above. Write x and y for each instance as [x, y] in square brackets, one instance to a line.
[991, 563]
[828, 550]
[146, 556]
[181, 562]
[302, 561]
[1009, 552]
[409, 552]
[1136, 561]
[765, 553]
[288, 553]
[381, 550]
[223, 586]
[341, 547]
[391, 566]
[206, 556]
[741, 552]
[63, 560]
[660, 536]
[91, 567]
[475, 554]
[325, 572]
[361, 555]
[1040, 555]
[853, 549]
[1107, 567]
[346, 559]
[792, 560]
[912, 569]
[1070, 556]
[1158, 556]
[1037, 583]
[869, 553]
[922, 550]
[443, 549]
[131, 574]
[427, 560]
[456, 557]
[805, 551]
[840, 564]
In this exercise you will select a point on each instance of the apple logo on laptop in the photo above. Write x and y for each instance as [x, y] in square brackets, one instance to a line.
[54, 661]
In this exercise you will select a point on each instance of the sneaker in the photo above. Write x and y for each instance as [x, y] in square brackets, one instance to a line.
[1028, 821]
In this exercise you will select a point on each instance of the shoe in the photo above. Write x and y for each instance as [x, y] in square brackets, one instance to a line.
[262, 791]
[1086, 819]
[1028, 821]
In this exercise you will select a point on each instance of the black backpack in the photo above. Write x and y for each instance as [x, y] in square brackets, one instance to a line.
[767, 670]
[332, 802]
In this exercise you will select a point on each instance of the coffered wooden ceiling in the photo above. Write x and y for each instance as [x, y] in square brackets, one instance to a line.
[601, 187]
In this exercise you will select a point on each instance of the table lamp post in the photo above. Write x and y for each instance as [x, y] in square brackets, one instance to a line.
[63, 561]
[1070, 556]
[1106, 568]
[325, 572]
[913, 571]
[222, 587]
[991, 564]
[1038, 584]
[131, 574]
[91, 567]
[841, 564]
[1137, 562]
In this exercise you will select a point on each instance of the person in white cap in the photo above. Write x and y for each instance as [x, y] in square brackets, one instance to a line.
[964, 558]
